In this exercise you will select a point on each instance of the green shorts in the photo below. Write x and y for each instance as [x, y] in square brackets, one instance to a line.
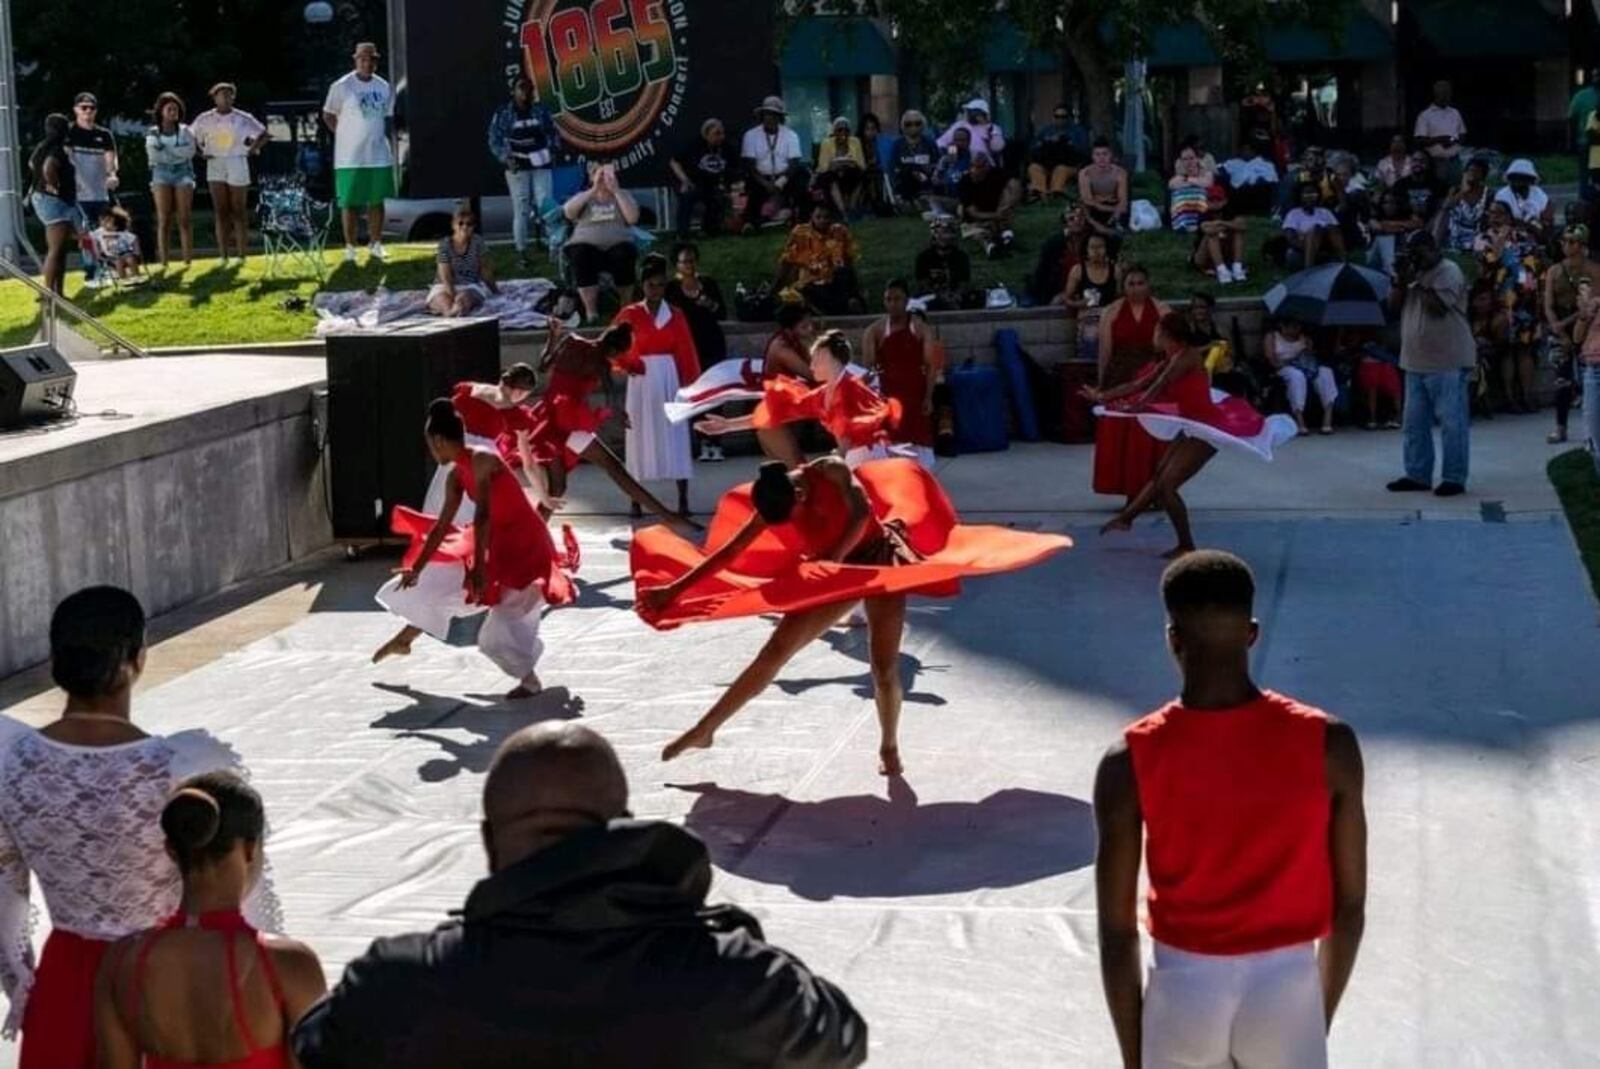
[363, 187]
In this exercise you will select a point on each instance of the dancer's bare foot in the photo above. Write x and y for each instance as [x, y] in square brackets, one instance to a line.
[524, 690]
[395, 647]
[1177, 551]
[696, 738]
[889, 762]
[1119, 522]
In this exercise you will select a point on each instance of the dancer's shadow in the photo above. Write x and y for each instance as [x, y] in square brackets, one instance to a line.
[489, 724]
[911, 667]
[867, 846]
[594, 596]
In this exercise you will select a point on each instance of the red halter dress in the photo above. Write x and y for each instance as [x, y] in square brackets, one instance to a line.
[904, 378]
[1125, 456]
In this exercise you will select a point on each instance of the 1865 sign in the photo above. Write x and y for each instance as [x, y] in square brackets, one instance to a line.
[613, 72]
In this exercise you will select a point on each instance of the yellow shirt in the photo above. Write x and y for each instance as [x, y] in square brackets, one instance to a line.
[1594, 140]
[830, 152]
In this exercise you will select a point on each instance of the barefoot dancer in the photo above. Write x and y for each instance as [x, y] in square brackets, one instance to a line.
[888, 530]
[850, 410]
[1175, 403]
[505, 562]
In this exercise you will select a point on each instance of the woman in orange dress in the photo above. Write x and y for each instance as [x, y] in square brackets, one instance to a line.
[857, 416]
[1125, 456]
[808, 543]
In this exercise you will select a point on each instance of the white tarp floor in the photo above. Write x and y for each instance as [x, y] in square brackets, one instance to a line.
[956, 907]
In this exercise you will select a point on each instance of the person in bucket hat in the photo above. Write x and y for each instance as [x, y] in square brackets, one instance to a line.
[777, 180]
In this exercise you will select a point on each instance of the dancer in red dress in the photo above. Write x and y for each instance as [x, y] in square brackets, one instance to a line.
[504, 563]
[901, 351]
[1125, 457]
[1175, 402]
[857, 416]
[808, 543]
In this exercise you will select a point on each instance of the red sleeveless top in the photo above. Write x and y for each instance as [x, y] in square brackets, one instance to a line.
[904, 377]
[1236, 813]
[521, 553]
[231, 925]
[823, 517]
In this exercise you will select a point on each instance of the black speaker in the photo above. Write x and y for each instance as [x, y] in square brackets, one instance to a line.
[379, 386]
[36, 383]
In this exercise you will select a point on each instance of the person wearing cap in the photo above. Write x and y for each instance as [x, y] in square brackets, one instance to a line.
[359, 110]
[704, 170]
[986, 136]
[913, 159]
[1437, 353]
[94, 159]
[943, 270]
[988, 204]
[1530, 205]
[523, 139]
[775, 167]
[841, 164]
[227, 137]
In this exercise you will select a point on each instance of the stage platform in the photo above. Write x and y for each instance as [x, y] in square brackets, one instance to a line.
[179, 476]
[956, 905]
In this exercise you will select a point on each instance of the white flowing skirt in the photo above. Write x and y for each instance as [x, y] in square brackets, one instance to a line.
[654, 447]
[1275, 431]
[433, 500]
[858, 456]
[510, 635]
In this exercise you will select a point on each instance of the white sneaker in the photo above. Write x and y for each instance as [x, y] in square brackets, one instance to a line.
[1224, 276]
[378, 252]
[1238, 273]
[349, 254]
[705, 451]
[716, 454]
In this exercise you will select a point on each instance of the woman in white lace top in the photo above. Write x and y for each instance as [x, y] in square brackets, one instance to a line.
[80, 808]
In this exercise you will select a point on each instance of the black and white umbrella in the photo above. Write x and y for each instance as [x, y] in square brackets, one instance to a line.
[1333, 295]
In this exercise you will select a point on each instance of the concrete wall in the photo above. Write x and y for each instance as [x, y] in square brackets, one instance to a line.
[179, 513]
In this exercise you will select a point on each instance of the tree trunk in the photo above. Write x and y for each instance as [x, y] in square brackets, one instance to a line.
[1099, 77]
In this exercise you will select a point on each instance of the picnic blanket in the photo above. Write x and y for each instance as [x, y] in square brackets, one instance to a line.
[359, 310]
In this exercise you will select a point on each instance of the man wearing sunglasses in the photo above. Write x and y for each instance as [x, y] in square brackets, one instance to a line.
[914, 157]
[94, 156]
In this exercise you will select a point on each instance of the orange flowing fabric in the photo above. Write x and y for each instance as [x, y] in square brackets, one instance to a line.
[850, 410]
[772, 574]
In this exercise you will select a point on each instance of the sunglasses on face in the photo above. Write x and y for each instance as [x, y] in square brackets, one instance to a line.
[87, 107]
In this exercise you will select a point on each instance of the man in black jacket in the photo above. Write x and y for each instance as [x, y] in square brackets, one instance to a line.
[590, 944]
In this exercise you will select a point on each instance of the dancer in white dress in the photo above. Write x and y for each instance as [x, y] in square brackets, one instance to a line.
[80, 808]
[663, 358]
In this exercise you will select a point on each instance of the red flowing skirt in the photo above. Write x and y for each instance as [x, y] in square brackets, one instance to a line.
[769, 576]
[520, 555]
[1125, 457]
[58, 1025]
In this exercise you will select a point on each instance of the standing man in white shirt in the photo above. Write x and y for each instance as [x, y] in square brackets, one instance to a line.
[359, 110]
[1440, 129]
[774, 164]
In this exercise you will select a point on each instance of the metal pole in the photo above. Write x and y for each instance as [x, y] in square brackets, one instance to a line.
[13, 236]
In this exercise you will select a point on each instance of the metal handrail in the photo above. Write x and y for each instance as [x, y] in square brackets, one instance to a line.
[54, 304]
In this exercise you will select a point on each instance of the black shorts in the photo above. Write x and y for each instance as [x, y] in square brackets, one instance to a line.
[588, 261]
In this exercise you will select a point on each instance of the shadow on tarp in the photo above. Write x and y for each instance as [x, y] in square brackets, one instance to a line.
[865, 846]
[487, 725]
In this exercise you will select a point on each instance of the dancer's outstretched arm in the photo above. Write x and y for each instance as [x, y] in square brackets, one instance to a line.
[658, 598]
[441, 527]
[714, 424]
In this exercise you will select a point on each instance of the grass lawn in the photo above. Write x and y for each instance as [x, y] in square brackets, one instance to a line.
[211, 305]
[1574, 478]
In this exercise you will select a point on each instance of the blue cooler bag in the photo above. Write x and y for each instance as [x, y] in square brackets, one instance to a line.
[978, 395]
[1012, 362]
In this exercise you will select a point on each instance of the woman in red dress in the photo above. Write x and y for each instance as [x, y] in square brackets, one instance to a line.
[504, 563]
[902, 353]
[857, 416]
[807, 543]
[160, 1002]
[1125, 457]
[1174, 401]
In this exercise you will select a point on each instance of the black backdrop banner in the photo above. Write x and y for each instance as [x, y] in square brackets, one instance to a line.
[627, 80]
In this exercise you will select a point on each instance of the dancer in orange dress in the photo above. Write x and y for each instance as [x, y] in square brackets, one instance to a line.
[1125, 457]
[857, 416]
[1174, 402]
[504, 563]
[807, 543]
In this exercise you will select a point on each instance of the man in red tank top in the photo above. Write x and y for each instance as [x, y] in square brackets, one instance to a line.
[1245, 807]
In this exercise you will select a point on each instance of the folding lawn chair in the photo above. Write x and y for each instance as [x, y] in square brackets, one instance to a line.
[294, 225]
[105, 264]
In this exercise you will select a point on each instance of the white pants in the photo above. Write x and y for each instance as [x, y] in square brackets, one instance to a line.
[1295, 379]
[1247, 1011]
[510, 634]
[654, 447]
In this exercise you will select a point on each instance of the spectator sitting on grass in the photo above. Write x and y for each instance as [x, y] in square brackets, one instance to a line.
[1311, 231]
[1055, 160]
[988, 205]
[1187, 187]
[1312, 170]
[1529, 203]
[841, 165]
[819, 263]
[1219, 238]
[914, 159]
[1254, 179]
[1421, 187]
[116, 247]
[1060, 253]
[1466, 205]
[704, 172]
[982, 134]
[466, 274]
[944, 270]
[776, 177]
[601, 241]
[1351, 208]
[953, 166]
[874, 147]
[1396, 165]
[589, 943]
[1103, 190]
[1392, 223]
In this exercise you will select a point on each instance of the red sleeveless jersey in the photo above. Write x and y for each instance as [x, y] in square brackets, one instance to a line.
[1236, 814]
